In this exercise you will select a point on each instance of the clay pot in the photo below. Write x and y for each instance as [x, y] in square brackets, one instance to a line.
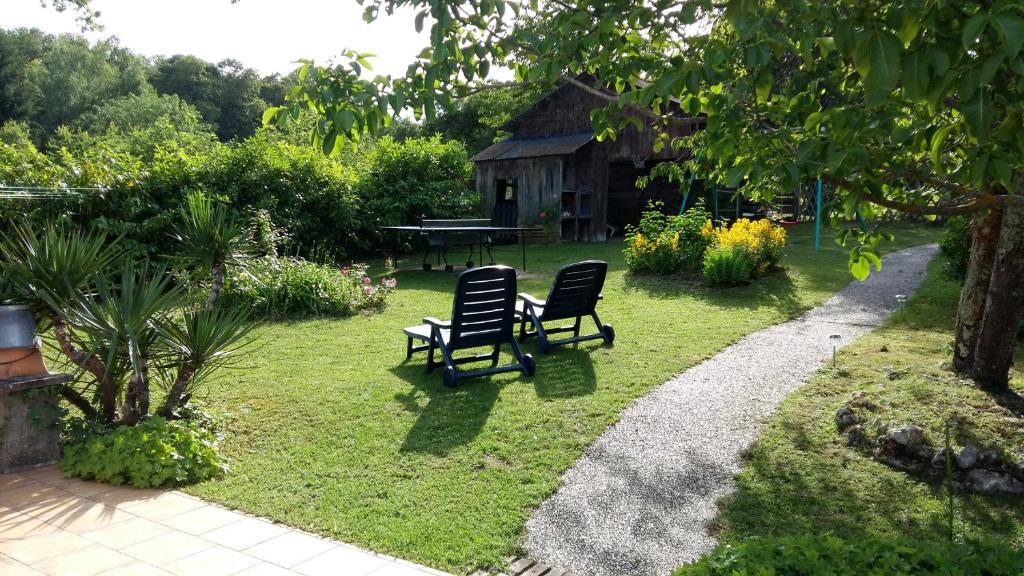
[19, 362]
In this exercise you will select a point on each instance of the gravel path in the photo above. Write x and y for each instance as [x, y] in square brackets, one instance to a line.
[639, 500]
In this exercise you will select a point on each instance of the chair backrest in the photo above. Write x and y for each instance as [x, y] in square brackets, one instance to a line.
[484, 309]
[575, 290]
[455, 238]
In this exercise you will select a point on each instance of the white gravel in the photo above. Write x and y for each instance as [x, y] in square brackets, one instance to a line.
[640, 499]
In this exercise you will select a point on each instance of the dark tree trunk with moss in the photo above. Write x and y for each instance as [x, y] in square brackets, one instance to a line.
[990, 303]
[217, 271]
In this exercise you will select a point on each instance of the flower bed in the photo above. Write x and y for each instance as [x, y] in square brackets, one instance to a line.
[279, 287]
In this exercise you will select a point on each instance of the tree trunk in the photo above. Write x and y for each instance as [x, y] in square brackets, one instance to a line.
[136, 395]
[177, 390]
[971, 311]
[218, 282]
[997, 336]
[990, 303]
[92, 364]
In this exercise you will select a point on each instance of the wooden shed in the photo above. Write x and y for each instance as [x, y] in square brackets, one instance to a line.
[552, 164]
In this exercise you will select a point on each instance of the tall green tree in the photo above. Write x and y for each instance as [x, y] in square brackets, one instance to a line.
[48, 81]
[907, 105]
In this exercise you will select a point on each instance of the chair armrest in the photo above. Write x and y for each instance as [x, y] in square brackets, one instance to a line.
[530, 300]
[438, 323]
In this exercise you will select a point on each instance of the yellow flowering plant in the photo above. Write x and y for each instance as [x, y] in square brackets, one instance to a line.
[758, 242]
[664, 244]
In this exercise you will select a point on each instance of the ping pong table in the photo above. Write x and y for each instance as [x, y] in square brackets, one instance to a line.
[443, 237]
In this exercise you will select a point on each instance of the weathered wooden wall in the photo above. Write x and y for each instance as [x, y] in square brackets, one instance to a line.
[538, 183]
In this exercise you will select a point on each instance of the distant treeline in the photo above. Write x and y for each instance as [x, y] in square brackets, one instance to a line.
[49, 81]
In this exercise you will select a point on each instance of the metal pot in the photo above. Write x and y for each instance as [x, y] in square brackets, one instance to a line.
[17, 327]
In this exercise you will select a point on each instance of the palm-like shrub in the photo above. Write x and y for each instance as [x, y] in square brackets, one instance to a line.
[127, 325]
[211, 237]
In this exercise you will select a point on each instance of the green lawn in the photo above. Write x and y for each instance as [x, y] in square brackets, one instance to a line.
[802, 478]
[330, 430]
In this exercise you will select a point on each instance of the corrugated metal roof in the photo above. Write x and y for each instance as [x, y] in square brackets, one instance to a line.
[534, 147]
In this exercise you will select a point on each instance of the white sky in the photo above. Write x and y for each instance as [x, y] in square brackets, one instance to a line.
[268, 35]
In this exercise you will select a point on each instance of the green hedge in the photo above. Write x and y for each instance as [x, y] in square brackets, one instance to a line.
[328, 207]
[814, 556]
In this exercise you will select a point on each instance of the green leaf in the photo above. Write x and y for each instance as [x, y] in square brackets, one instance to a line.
[1011, 31]
[878, 61]
[860, 268]
[873, 259]
[938, 140]
[269, 114]
[1001, 170]
[973, 29]
[910, 27]
[764, 85]
[978, 115]
[419, 20]
[915, 74]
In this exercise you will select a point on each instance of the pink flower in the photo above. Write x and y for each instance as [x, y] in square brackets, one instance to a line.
[366, 280]
[389, 283]
[368, 289]
[345, 270]
[543, 215]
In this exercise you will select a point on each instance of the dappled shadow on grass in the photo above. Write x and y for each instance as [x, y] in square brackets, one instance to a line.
[780, 496]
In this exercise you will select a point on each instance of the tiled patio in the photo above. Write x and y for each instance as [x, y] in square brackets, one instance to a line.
[57, 527]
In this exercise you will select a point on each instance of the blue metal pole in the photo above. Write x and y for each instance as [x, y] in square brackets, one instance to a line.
[689, 187]
[817, 220]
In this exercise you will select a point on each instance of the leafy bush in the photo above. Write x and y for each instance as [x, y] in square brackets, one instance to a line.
[155, 452]
[956, 246]
[403, 182]
[728, 265]
[665, 244]
[280, 287]
[762, 241]
[308, 195]
[810, 556]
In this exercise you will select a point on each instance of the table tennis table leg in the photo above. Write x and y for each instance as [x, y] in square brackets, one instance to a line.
[522, 241]
[426, 254]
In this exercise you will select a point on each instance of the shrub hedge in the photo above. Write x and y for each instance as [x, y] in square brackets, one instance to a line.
[817, 555]
[330, 207]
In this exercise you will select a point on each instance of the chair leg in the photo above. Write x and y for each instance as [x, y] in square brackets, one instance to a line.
[408, 348]
[451, 373]
[576, 326]
[542, 335]
[526, 362]
[494, 356]
[430, 355]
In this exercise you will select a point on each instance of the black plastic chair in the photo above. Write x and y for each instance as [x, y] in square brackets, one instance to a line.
[483, 314]
[574, 294]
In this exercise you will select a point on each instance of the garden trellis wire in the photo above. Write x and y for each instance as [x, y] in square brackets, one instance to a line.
[46, 193]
